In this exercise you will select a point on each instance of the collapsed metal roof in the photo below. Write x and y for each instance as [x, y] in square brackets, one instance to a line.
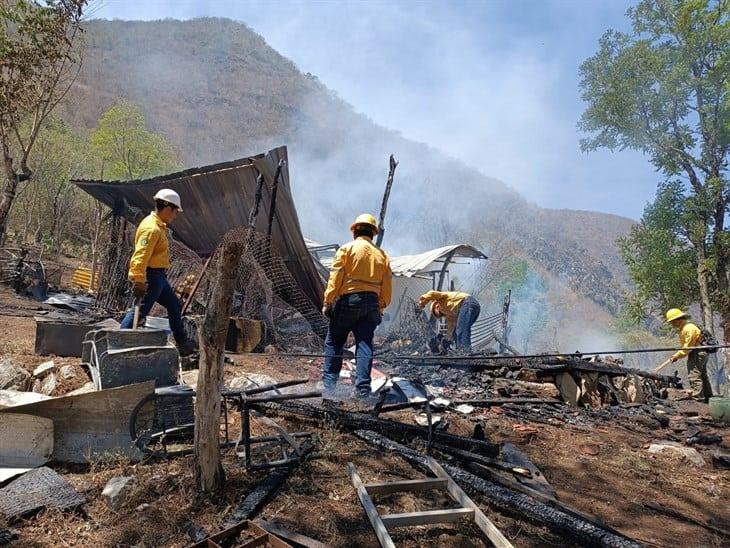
[217, 198]
[432, 261]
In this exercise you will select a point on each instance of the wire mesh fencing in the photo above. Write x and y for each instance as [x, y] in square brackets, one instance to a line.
[265, 290]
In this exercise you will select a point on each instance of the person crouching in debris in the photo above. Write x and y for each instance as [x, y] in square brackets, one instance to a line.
[461, 310]
[358, 291]
[690, 335]
[148, 268]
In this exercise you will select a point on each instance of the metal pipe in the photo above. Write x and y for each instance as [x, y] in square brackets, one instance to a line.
[473, 358]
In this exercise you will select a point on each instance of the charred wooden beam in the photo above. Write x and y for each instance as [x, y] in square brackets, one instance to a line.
[263, 492]
[511, 502]
[394, 429]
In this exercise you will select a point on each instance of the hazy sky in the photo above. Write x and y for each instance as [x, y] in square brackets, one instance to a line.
[493, 83]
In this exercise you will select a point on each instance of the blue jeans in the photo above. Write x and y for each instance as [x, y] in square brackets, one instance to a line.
[159, 290]
[468, 314]
[359, 314]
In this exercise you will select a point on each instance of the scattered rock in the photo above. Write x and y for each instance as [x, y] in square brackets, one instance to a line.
[68, 372]
[677, 394]
[538, 389]
[271, 349]
[190, 378]
[675, 448]
[529, 375]
[10, 398]
[13, 377]
[117, 490]
[591, 449]
[465, 408]
[590, 396]
[43, 369]
[85, 389]
[569, 391]
[143, 507]
[251, 380]
[422, 419]
[49, 384]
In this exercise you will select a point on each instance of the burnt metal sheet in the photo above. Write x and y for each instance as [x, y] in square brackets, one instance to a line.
[35, 490]
[92, 425]
[217, 198]
[412, 265]
[26, 441]
[119, 357]
[63, 337]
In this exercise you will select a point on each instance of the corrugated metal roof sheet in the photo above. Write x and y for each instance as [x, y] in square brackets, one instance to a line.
[217, 198]
[410, 265]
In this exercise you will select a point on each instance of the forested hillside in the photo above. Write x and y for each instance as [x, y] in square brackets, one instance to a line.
[216, 91]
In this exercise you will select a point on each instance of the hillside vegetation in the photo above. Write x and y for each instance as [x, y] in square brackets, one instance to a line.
[217, 91]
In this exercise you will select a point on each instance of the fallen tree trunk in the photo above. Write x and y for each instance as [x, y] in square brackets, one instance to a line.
[264, 491]
[394, 429]
[513, 503]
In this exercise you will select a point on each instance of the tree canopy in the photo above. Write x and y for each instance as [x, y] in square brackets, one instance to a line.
[126, 148]
[664, 89]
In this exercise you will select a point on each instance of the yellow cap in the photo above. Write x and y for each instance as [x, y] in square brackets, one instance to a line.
[675, 314]
[365, 219]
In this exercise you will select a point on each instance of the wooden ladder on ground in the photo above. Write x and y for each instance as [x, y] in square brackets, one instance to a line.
[441, 481]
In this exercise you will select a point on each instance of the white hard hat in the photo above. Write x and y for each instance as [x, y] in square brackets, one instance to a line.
[170, 196]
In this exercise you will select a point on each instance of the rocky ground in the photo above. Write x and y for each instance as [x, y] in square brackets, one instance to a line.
[599, 464]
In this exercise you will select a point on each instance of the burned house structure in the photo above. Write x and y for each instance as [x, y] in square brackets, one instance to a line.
[249, 200]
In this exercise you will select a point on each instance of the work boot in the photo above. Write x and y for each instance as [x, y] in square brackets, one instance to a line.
[186, 348]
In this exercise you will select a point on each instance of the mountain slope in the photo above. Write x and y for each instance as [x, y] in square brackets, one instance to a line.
[216, 91]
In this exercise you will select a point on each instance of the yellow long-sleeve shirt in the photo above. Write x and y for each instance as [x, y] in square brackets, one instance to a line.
[449, 302]
[688, 337]
[360, 266]
[151, 248]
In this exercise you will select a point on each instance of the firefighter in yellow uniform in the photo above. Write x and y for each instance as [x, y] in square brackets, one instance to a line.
[690, 335]
[148, 268]
[461, 310]
[358, 291]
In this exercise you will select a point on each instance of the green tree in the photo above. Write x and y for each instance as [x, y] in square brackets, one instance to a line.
[126, 148]
[660, 257]
[38, 63]
[47, 204]
[664, 89]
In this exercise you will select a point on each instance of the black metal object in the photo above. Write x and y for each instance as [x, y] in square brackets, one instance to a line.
[274, 191]
[167, 417]
[288, 458]
[40, 488]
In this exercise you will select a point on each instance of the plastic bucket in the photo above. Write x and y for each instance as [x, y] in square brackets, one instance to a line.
[720, 409]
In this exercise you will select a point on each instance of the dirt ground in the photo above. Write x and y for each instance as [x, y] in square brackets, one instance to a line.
[604, 471]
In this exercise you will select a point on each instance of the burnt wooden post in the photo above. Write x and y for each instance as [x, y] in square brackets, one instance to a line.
[386, 196]
[209, 473]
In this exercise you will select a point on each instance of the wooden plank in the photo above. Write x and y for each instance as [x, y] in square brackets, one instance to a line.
[281, 531]
[93, 425]
[482, 521]
[26, 441]
[386, 488]
[367, 503]
[429, 517]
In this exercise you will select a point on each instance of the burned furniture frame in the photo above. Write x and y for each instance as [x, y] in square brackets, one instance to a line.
[167, 416]
[246, 405]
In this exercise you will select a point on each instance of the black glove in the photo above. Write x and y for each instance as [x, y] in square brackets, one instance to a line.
[327, 310]
[139, 289]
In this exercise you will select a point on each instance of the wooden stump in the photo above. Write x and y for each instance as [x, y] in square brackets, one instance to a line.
[209, 473]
